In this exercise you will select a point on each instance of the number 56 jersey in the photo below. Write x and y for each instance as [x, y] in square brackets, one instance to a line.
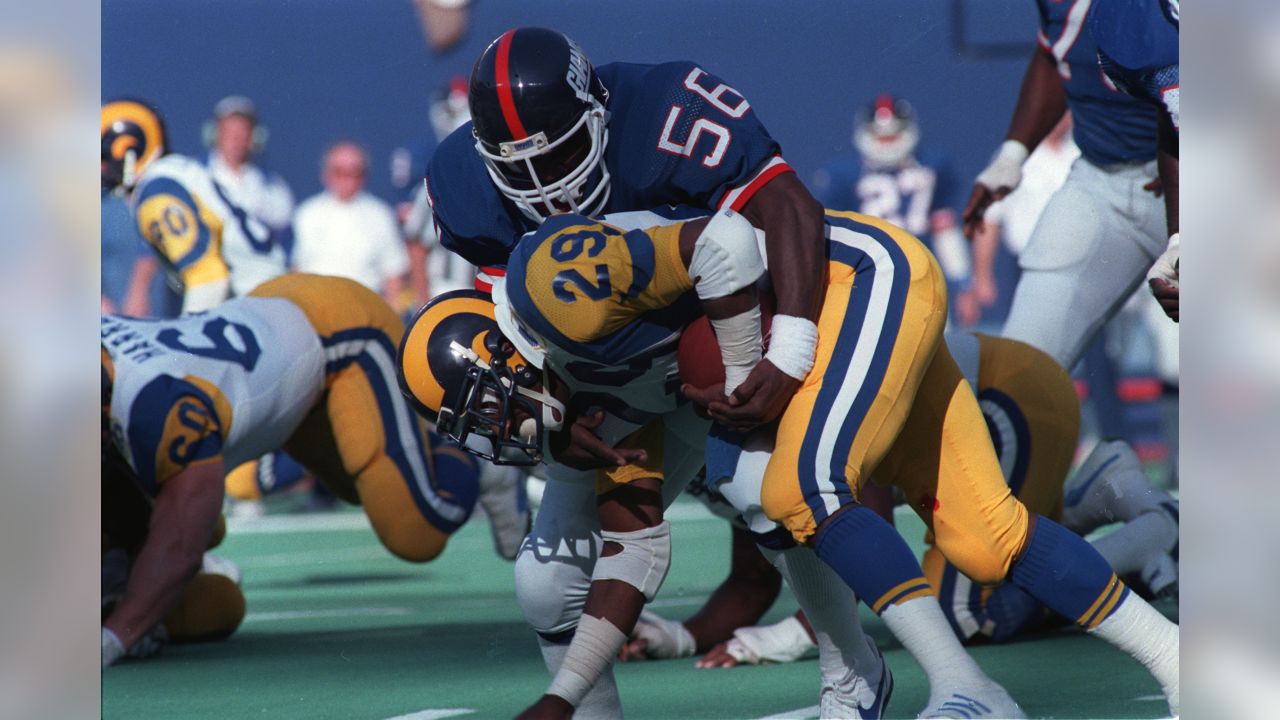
[235, 381]
[678, 135]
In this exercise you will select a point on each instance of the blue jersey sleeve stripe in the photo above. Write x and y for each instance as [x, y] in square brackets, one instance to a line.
[640, 248]
[147, 416]
[175, 189]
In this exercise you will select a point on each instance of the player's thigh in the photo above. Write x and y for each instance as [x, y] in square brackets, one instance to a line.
[1033, 415]
[946, 466]
[553, 569]
[875, 338]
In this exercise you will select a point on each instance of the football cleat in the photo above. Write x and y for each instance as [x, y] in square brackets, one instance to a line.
[133, 137]
[856, 695]
[539, 119]
[502, 495]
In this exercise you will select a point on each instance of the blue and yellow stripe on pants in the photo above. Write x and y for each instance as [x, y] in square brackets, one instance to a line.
[880, 322]
[363, 440]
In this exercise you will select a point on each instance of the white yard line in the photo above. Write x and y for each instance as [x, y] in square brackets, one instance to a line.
[372, 611]
[314, 557]
[434, 714]
[797, 714]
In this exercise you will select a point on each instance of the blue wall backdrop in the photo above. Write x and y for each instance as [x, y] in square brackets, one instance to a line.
[321, 70]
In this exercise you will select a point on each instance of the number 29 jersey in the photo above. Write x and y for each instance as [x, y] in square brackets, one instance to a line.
[233, 382]
[678, 135]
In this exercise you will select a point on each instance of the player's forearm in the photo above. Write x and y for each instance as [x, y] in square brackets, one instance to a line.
[1041, 102]
[182, 523]
[794, 241]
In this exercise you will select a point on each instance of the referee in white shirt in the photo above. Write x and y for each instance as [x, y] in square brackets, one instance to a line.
[347, 232]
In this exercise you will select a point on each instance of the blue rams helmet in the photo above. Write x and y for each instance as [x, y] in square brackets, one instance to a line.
[133, 136]
[457, 368]
[538, 115]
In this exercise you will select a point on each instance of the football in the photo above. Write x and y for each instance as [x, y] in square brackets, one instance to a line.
[699, 355]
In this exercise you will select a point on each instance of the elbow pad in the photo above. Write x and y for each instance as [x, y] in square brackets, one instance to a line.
[726, 257]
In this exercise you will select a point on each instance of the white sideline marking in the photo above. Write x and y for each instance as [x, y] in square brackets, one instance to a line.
[307, 522]
[318, 557]
[434, 714]
[373, 611]
[804, 712]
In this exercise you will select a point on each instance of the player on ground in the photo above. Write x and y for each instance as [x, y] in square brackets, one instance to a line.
[889, 378]
[551, 133]
[305, 363]
[1031, 410]
[1103, 229]
[1138, 51]
[210, 246]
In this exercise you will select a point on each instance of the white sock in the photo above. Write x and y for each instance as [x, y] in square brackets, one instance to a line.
[1148, 637]
[832, 610]
[1129, 548]
[602, 701]
[923, 630]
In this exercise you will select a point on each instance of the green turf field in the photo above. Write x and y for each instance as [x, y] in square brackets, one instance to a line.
[337, 628]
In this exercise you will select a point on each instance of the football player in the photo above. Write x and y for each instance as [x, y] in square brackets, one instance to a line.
[904, 407]
[1104, 228]
[892, 181]
[210, 247]
[550, 133]
[1030, 408]
[1138, 51]
[616, 350]
[305, 363]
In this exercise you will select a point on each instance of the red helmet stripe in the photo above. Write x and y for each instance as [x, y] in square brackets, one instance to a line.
[505, 99]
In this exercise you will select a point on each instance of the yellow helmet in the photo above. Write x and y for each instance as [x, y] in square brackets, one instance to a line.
[458, 369]
[132, 137]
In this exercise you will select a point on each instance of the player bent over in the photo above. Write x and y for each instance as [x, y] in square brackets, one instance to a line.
[306, 363]
[883, 393]
[602, 310]
[1032, 413]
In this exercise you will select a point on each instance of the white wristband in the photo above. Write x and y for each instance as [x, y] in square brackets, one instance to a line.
[1005, 170]
[740, 346]
[112, 648]
[793, 343]
[595, 643]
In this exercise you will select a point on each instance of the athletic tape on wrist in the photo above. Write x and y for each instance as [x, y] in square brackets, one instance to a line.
[741, 346]
[595, 643]
[643, 562]
[1005, 169]
[793, 343]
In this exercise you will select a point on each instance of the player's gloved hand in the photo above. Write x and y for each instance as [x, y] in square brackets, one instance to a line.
[548, 707]
[1163, 279]
[760, 399]
[580, 448]
[1001, 177]
[782, 642]
[658, 638]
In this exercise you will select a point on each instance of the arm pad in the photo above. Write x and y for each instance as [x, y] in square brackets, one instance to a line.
[726, 257]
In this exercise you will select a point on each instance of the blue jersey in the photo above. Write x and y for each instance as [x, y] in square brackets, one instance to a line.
[906, 196]
[1138, 49]
[1110, 127]
[677, 136]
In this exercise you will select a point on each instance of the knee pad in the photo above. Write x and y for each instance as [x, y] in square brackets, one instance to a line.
[643, 561]
[211, 608]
